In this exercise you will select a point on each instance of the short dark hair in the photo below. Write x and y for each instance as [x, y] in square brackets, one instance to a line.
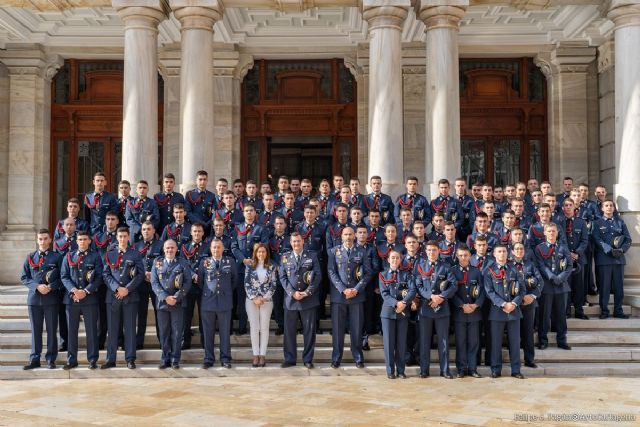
[83, 233]
[202, 173]
[123, 230]
[169, 176]
[43, 231]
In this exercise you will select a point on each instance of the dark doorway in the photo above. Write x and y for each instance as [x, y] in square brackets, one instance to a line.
[305, 157]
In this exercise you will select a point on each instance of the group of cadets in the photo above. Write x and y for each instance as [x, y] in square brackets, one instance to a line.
[477, 263]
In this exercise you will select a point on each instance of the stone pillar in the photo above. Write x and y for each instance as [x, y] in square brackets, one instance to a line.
[169, 64]
[626, 16]
[196, 86]
[442, 117]
[386, 145]
[140, 99]
[30, 73]
[567, 72]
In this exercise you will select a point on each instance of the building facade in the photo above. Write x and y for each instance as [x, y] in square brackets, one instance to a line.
[495, 91]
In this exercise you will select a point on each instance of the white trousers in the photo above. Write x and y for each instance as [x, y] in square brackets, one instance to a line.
[259, 319]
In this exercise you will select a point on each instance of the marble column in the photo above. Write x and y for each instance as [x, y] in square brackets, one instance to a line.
[625, 14]
[196, 87]
[140, 99]
[386, 145]
[442, 117]
[29, 109]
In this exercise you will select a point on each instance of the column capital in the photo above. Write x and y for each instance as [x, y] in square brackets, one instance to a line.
[441, 13]
[385, 13]
[33, 61]
[197, 14]
[141, 14]
[573, 57]
[548, 68]
[624, 13]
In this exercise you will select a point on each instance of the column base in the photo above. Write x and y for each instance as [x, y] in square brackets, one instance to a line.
[15, 243]
[627, 196]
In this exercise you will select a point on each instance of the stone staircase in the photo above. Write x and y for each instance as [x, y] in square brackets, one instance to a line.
[609, 347]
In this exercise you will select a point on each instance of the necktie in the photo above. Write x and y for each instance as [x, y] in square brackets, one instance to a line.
[42, 254]
[217, 264]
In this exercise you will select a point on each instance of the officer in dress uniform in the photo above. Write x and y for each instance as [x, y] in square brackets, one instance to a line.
[279, 244]
[577, 237]
[349, 271]
[201, 203]
[466, 304]
[373, 302]
[149, 248]
[409, 262]
[435, 284]
[482, 260]
[300, 277]
[179, 230]
[448, 246]
[245, 237]
[405, 225]
[123, 273]
[102, 241]
[98, 203]
[555, 265]
[448, 205]
[140, 210]
[41, 275]
[303, 199]
[376, 230]
[228, 213]
[334, 231]
[466, 202]
[170, 280]
[291, 215]
[124, 192]
[397, 288]
[481, 228]
[379, 201]
[384, 248]
[166, 200]
[418, 204]
[536, 231]
[218, 276]
[82, 277]
[66, 243]
[505, 289]
[193, 252]
[530, 276]
[612, 241]
[250, 198]
[522, 220]
[73, 210]
[588, 211]
[268, 214]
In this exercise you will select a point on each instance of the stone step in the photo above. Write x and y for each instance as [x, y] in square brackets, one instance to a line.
[375, 355]
[188, 370]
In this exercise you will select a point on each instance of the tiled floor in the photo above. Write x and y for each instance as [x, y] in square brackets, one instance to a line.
[366, 400]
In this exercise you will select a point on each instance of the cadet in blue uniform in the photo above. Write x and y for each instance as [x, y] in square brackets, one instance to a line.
[170, 280]
[536, 231]
[466, 202]
[397, 289]
[218, 275]
[41, 275]
[313, 234]
[179, 230]
[416, 202]
[300, 277]
[229, 213]
[140, 210]
[555, 265]
[522, 221]
[246, 236]
[612, 241]
[577, 236]
[73, 210]
[384, 248]
[123, 272]
[102, 241]
[291, 215]
[409, 262]
[530, 276]
[124, 190]
[481, 228]
[268, 214]
[349, 271]
[66, 243]
[98, 203]
[304, 197]
[505, 289]
[149, 248]
[449, 245]
[466, 303]
[379, 201]
[166, 200]
[279, 244]
[250, 198]
[373, 302]
[435, 284]
[449, 206]
[82, 277]
[201, 203]
[334, 230]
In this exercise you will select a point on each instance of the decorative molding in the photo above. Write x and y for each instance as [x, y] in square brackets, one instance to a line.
[606, 56]
[245, 63]
[545, 65]
[352, 65]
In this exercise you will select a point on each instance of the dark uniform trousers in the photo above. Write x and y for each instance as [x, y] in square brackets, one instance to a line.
[145, 293]
[611, 278]
[189, 306]
[467, 345]
[63, 328]
[513, 333]
[103, 322]
[223, 320]
[308, 317]
[552, 306]
[372, 307]
[125, 314]
[340, 315]
[394, 338]
[49, 315]
[170, 327]
[576, 281]
[278, 305]
[90, 314]
[526, 330]
[426, 327]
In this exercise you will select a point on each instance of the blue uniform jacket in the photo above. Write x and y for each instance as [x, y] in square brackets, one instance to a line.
[383, 203]
[418, 204]
[149, 251]
[467, 285]
[76, 270]
[577, 237]
[396, 286]
[245, 238]
[217, 283]
[292, 217]
[451, 209]
[34, 272]
[383, 250]
[246, 200]
[139, 211]
[180, 233]
[200, 206]
[81, 225]
[313, 236]
[165, 203]
[333, 235]
[604, 233]
[352, 270]
[530, 276]
[448, 251]
[126, 270]
[482, 263]
[503, 285]
[555, 266]
[434, 279]
[279, 245]
[96, 207]
[293, 277]
[65, 244]
[170, 278]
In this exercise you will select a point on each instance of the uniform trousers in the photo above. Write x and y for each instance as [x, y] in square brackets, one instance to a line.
[611, 279]
[171, 327]
[127, 314]
[47, 314]
[467, 345]
[513, 334]
[90, 314]
[394, 338]
[308, 318]
[426, 327]
[209, 319]
[341, 314]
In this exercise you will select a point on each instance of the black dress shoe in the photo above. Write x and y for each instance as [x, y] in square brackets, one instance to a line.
[603, 316]
[164, 365]
[446, 375]
[582, 316]
[475, 374]
[186, 346]
[495, 375]
[139, 346]
[51, 365]
[108, 365]
[402, 376]
[287, 364]
[621, 316]
[334, 365]
[308, 365]
[241, 331]
[530, 365]
[391, 376]
[93, 365]
[424, 375]
[175, 365]
[365, 346]
[68, 366]
[206, 365]
[564, 346]
[131, 364]
[279, 331]
[460, 375]
[226, 365]
[543, 346]
[360, 365]
[518, 376]
[62, 348]
[31, 365]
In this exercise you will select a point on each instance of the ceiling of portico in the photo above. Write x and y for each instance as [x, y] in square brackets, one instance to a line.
[482, 24]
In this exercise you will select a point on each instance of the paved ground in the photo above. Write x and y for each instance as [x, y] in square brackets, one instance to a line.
[366, 400]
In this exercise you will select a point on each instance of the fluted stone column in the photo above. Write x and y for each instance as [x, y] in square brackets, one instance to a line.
[626, 17]
[385, 91]
[140, 99]
[196, 86]
[442, 117]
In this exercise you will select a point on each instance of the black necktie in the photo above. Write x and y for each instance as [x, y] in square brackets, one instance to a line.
[217, 264]
[43, 254]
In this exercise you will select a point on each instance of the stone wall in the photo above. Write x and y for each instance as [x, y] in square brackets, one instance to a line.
[606, 102]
